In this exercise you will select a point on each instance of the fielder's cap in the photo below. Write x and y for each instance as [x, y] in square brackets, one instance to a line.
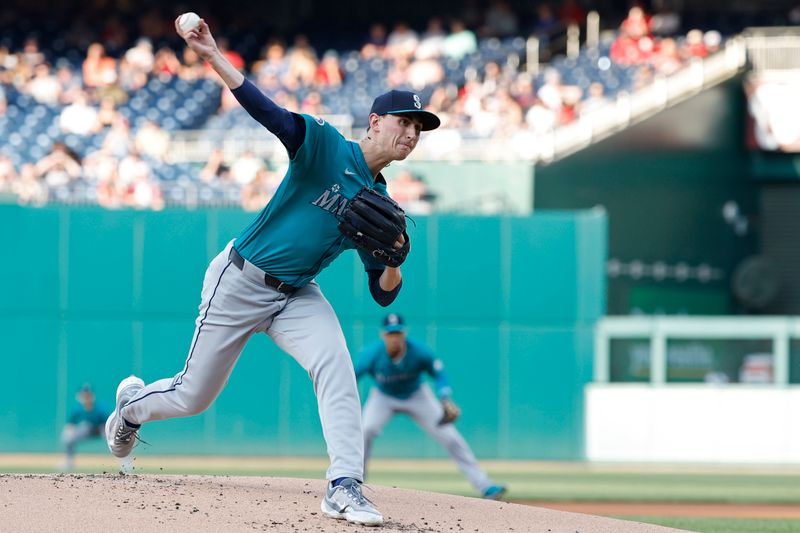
[85, 390]
[404, 102]
[393, 323]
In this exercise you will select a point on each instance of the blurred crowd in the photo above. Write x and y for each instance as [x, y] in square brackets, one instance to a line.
[647, 42]
[494, 100]
[87, 99]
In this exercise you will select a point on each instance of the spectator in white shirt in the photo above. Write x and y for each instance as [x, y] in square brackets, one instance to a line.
[245, 167]
[59, 167]
[133, 169]
[44, 87]
[79, 117]
[152, 141]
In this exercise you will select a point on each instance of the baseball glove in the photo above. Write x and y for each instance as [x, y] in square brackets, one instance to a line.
[374, 223]
[451, 412]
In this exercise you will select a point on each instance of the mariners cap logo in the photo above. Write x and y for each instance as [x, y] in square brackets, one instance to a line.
[393, 322]
[404, 103]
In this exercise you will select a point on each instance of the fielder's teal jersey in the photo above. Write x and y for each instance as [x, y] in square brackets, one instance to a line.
[400, 379]
[296, 236]
[96, 416]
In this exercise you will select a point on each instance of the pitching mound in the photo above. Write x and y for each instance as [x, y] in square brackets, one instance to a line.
[207, 503]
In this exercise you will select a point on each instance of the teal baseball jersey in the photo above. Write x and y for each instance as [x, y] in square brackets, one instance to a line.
[400, 379]
[296, 236]
[94, 417]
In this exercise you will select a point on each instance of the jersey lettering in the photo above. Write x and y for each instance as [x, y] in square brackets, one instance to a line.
[332, 202]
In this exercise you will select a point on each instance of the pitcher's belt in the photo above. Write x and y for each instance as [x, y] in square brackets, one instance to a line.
[269, 280]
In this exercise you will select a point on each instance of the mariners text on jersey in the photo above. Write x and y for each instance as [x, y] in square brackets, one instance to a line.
[296, 235]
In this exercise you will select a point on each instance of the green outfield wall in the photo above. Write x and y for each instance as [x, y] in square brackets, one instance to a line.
[508, 303]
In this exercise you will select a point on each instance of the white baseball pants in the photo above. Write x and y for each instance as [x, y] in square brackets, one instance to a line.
[426, 410]
[235, 304]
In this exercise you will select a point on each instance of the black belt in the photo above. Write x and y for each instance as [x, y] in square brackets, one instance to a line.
[272, 281]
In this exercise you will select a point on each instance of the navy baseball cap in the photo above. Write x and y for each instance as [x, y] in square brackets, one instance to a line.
[393, 323]
[404, 102]
[85, 389]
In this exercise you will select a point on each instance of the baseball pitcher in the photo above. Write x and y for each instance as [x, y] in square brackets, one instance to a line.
[332, 198]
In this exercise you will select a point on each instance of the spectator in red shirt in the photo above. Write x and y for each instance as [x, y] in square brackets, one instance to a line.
[233, 56]
[634, 44]
[636, 25]
[667, 60]
[329, 71]
[166, 63]
[694, 45]
[99, 70]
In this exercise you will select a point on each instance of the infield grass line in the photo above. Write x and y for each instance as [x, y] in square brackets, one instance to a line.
[527, 480]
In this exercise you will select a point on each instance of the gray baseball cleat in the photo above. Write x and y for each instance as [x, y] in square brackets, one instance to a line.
[346, 502]
[121, 437]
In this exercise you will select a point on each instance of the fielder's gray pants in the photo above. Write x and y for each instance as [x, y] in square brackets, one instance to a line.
[235, 304]
[426, 410]
[72, 435]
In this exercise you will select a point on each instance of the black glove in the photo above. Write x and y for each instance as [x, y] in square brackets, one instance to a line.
[451, 412]
[374, 223]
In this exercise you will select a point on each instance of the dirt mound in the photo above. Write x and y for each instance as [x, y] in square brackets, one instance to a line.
[112, 502]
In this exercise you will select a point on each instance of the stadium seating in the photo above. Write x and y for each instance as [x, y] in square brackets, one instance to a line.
[30, 128]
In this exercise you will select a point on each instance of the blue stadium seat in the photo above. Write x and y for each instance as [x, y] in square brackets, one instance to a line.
[174, 195]
[169, 124]
[35, 153]
[15, 140]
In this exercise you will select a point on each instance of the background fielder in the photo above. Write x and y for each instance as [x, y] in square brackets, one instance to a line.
[397, 364]
[263, 281]
[85, 421]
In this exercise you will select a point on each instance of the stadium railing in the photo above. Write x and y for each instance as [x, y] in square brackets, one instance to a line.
[195, 145]
[658, 331]
[633, 107]
[773, 48]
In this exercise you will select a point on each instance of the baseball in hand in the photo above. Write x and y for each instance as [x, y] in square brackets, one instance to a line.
[188, 22]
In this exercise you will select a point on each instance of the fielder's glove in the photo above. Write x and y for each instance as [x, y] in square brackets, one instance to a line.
[451, 412]
[374, 223]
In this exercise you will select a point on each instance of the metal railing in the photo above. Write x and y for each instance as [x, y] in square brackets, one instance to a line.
[659, 330]
[630, 108]
[776, 48]
[196, 145]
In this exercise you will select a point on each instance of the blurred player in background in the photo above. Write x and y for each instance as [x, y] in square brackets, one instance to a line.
[263, 281]
[85, 421]
[397, 364]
